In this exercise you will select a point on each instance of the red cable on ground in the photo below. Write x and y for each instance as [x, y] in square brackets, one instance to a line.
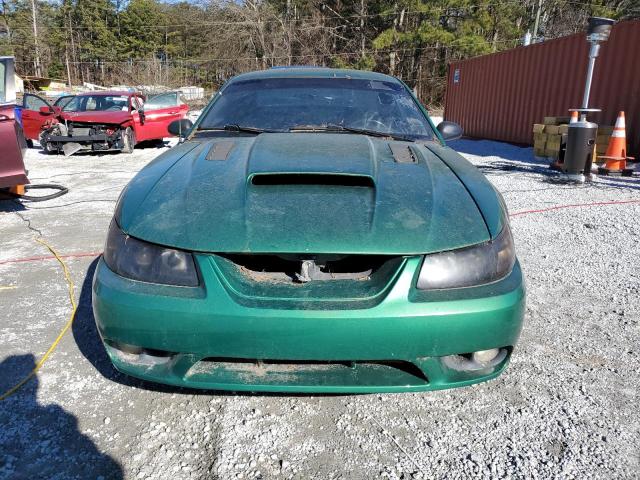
[575, 205]
[515, 214]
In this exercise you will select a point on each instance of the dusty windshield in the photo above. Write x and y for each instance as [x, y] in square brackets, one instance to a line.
[283, 104]
[103, 103]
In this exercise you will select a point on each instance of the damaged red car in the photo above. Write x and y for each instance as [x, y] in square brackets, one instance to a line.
[100, 121]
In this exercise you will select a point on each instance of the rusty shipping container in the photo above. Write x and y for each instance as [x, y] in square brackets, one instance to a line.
[500, 96]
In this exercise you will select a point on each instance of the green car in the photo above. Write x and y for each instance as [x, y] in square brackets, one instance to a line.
[311, 233]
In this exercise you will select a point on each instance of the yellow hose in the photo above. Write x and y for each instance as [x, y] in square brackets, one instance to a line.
[74, 305]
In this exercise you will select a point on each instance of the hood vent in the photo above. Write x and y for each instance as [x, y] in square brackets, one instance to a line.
[402, 153]
[220, 150]
[330, 179]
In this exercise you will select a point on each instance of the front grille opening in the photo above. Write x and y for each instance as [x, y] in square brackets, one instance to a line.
[312, 179]
[81, 131]
[262, 368]
[406, 367]
[306, 268]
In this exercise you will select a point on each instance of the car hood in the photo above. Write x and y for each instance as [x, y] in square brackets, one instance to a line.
[302, 193]
[115, 117]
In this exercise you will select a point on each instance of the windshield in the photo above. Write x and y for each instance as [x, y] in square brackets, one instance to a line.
[62, 101]
[304, 103]
[91, 103]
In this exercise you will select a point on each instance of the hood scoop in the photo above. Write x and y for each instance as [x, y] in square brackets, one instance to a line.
[324, 179]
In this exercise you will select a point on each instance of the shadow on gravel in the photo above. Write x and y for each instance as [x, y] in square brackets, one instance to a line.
[10, 205]
[502, 167]
[631, 183]
[88, 340]
[527, 163]
[43, 440]
[506, 154]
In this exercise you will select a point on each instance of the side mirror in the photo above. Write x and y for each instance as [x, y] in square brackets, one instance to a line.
[449, 130]
[46, 110]
[180, 128]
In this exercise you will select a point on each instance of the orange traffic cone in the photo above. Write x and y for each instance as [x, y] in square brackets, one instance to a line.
[616, 156]
[574, 117]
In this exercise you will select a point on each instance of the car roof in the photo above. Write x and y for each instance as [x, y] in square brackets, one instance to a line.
[314, 72]
[101, 93]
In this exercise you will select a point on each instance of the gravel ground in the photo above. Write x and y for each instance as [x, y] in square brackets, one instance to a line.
[565, 408]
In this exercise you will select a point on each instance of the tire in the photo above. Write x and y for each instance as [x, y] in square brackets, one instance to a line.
[29, 143]
[47, 147]
[128, 140]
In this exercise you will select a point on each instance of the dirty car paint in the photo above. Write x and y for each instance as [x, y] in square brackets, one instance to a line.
[408, 209]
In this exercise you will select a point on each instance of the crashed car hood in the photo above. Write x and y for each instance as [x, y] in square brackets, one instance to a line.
[115, 117]
[301, 192]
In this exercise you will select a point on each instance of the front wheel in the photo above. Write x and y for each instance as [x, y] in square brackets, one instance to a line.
[128, 140]
[48, 147]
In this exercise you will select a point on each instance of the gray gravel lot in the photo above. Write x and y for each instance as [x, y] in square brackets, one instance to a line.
[567, 407]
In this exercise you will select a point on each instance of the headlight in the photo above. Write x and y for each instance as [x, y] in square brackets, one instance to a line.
[138, 260]
[466, 267]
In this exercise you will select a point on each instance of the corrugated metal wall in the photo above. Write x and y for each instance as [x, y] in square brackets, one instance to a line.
[500, 96]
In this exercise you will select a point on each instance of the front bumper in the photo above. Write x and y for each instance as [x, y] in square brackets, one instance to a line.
[98, 137]
[205, 338]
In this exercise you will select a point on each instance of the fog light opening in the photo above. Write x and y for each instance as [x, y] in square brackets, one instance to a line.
[475, 361]
[135, 355]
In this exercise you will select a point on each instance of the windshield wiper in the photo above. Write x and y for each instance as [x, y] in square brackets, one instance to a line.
[234, 127]
[331, 127]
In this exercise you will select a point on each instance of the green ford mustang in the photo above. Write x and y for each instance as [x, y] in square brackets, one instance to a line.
[312, 233]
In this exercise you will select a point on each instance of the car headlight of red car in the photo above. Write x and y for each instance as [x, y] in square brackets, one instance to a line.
[471, 266]
[146, 262]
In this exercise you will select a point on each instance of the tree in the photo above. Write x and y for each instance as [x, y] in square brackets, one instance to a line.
[94, 23]
[142, 32]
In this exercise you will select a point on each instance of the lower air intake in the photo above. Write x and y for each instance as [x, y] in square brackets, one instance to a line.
[306, 372]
